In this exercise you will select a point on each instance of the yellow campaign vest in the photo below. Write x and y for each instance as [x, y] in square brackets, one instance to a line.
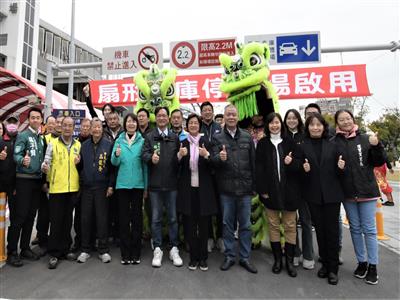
[64, 175]
[49, 139]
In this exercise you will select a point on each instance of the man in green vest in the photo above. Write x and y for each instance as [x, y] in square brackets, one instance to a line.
[62, 156]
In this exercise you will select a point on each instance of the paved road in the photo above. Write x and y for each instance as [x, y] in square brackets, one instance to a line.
[97, 280]
[391, 215]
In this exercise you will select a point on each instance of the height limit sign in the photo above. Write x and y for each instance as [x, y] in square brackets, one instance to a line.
[200, 53]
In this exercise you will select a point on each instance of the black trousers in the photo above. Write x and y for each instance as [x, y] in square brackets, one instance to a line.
[23, 213]
[326, 221]
[113, 220]
[43, 221]
[130, 205]
[94, 210]
[218, 218]
[77, 221]
[196, 229]
[60, 208]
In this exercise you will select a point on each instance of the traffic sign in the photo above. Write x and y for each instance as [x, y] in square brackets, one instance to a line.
[197, 54]
[131, 59]
[76, 114]
[148, 55]
[302, 47]
[183, 55]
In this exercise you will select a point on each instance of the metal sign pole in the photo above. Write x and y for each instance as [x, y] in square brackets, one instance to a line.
[71, 57]
[49, 89]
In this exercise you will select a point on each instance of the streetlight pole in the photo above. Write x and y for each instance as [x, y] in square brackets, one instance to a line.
[71, 57]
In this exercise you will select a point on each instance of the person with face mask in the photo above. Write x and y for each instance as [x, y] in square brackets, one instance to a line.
[7, 164]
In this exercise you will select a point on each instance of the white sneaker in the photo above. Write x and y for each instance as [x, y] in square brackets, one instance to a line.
[157, 257]
[220, 245]
[296, 261]
[83, 257]
[210, 245]
[105, 257]
[174, 256]
[308, 264]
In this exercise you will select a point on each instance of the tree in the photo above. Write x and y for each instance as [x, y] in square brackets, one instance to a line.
[388, 128]
[330, 119]
[363, 110]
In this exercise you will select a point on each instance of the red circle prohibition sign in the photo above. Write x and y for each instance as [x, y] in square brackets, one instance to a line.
[148, 57]
[179, 64]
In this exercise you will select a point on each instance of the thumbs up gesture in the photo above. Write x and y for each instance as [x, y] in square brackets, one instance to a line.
[341, 163]
[27, 160]
[203, 151]
[155, 158]
[3, 153]
[288, 159]
[306, 166]
[118, 151]
[45, 167]
[223, 155]
[77, 159]
[182, 151]
[373, 139]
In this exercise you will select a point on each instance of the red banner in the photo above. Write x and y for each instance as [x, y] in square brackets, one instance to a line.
[319, 82]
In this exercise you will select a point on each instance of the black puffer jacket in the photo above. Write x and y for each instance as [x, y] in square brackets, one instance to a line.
[164, 175]
[361, 158]
[236, 175]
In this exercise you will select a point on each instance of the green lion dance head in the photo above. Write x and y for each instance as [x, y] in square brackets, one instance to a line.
[156, 88]
[246, 81]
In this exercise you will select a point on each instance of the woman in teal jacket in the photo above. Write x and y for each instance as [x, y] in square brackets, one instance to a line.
[130, 185]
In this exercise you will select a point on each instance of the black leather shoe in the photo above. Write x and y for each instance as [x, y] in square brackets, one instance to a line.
[71, 256]
[41, 251]
[323, 272]
[53, 262]
[14, 260]
[248, 266]
[29, 254]
[227, 264]
[333, 278]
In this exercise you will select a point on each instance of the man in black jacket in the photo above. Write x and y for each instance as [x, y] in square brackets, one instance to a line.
[234, 160]
[161, 151]
[97, 177]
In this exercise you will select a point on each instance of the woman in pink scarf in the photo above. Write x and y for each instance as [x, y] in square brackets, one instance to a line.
[196, 200]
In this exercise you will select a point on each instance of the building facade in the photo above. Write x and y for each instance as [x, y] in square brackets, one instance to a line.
[54, 45]
[19, 29]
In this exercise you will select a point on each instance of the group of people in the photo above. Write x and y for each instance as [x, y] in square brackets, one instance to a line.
[114, 172]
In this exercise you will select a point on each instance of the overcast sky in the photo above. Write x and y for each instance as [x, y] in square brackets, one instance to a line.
[105, 23]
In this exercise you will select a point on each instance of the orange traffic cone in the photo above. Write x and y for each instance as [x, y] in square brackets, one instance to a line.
[379, 222]
[3, 255]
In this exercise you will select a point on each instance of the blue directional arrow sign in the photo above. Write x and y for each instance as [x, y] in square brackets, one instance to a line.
[289, 48]
[298, 48]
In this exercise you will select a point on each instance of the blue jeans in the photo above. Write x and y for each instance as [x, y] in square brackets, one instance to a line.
[158, 200]
[361, 217]
[236, 208]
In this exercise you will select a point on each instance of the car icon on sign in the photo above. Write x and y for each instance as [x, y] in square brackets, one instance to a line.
[287, 48]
